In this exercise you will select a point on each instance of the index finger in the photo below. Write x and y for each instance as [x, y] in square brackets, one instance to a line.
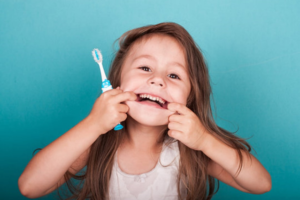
[113, 91]
[177, 107]
[126, 96]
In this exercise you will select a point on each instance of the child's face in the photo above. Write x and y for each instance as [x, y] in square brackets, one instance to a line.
[153, 66]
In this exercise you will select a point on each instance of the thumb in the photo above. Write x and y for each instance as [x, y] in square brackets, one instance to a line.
[174, 134]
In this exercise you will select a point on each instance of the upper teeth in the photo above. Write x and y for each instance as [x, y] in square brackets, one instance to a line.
[152, 98]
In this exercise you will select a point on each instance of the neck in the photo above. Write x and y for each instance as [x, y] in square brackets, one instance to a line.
[143, 137]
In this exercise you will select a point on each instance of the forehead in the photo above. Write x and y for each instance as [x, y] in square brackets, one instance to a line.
[158, 45]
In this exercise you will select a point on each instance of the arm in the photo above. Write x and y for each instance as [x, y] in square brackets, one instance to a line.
[219, 173]
[253, 177]
[74, 169]
[48, 166]
[186, 127]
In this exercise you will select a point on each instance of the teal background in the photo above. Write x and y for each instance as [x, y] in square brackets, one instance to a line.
[49, 80]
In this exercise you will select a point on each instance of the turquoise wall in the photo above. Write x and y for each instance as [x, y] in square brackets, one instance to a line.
[49, 80]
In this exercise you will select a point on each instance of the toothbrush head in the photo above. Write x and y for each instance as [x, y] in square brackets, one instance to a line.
[97, 55]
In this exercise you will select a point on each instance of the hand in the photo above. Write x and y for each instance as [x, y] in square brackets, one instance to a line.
[186, 127]
[108, 109]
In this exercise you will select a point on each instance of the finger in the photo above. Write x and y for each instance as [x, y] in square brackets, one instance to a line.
[177, 118]
[175, 126]
[112, 92]
[177, 107]
[125, 96]
[122, 108]
[175, 134]
[123, 117]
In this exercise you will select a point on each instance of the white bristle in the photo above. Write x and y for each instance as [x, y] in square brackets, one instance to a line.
[99, 59]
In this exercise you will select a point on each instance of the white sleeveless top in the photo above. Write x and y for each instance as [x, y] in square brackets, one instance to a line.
[159, 183]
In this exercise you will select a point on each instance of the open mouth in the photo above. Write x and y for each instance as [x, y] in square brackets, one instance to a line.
[154, 99]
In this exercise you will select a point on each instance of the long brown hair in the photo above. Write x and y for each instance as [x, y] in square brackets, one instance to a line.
[94, 183]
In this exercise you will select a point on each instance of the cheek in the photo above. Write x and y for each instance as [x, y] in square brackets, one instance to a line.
[180, 95]
[126, 83]
[129, 80]
[185, 93]
[128, 86]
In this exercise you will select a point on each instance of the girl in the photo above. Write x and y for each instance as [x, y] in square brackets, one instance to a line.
[170, 147]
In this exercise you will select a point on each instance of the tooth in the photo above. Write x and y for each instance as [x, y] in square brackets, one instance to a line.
[152, 98]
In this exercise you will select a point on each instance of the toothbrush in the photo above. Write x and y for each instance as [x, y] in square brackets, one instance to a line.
[105, 83]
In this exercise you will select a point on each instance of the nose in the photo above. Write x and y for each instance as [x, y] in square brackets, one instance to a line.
[160, 84]
[157, 81]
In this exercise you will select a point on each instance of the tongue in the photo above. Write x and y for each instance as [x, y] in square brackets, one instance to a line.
[152, 102]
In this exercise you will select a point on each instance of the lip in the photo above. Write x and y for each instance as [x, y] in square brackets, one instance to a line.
[165, 106]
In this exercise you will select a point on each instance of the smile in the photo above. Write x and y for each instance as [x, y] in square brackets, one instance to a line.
[151, 99]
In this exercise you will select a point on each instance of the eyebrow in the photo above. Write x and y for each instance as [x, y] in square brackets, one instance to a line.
[152, 58]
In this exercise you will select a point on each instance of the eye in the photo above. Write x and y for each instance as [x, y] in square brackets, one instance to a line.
[147, 69]
[174, 76]
[144, 68]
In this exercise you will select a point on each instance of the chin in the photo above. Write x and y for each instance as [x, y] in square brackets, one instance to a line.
[148, 115]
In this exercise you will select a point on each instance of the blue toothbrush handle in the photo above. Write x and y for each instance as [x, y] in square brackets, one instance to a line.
[118, 127]
[107, 86]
